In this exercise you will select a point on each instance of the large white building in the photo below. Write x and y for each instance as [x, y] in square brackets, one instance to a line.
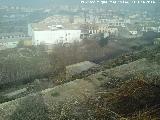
[55, 34]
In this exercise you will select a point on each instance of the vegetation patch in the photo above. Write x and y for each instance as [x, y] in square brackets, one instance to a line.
[55, 94]
[131, 97]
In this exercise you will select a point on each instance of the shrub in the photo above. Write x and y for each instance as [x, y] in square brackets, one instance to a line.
[55, 94]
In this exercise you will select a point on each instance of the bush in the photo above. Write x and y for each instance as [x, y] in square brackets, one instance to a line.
[103, 41]
[55, 94]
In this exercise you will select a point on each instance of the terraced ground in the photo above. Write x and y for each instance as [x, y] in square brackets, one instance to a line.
[114, 93]
[34, 70]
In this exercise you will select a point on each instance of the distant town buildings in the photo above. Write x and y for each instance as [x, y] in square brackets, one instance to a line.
[154, 29]
[88, 22]
[99, 28]
[66, 24]
[11, 40]
[157, 41]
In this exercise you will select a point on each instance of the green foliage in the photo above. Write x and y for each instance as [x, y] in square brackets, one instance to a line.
[150, 35]
[20, 44]
[4, 99]
[18, 65]
[100, 78]
[55, 94]
[103, 41]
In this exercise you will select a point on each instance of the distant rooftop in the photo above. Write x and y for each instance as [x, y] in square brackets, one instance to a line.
[79, 67]
[53, 26]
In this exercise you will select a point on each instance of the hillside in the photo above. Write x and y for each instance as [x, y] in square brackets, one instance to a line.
[22, 65]
[128, 90]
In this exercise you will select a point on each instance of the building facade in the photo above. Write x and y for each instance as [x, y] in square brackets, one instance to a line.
[55, 36]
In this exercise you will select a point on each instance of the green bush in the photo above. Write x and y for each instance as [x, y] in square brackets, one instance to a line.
[55, 94]
[5, 99]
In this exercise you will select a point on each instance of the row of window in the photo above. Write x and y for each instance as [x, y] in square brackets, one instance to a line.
[114, 23]
[102, 31]
[17, 36]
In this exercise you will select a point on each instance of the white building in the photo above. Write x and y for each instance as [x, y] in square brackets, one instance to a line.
[54, 35]
[8, 44]
[133, 32]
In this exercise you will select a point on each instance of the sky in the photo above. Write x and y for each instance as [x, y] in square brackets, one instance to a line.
[37, 2]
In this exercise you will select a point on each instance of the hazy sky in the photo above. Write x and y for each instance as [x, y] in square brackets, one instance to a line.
[37, 2]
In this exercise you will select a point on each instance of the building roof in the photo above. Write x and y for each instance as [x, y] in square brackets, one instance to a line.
[54, 26]
[12, 34]
[79, 67]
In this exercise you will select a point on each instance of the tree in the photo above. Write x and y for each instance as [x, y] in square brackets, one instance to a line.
[20, 44]
[150, 35]
[103, 40]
